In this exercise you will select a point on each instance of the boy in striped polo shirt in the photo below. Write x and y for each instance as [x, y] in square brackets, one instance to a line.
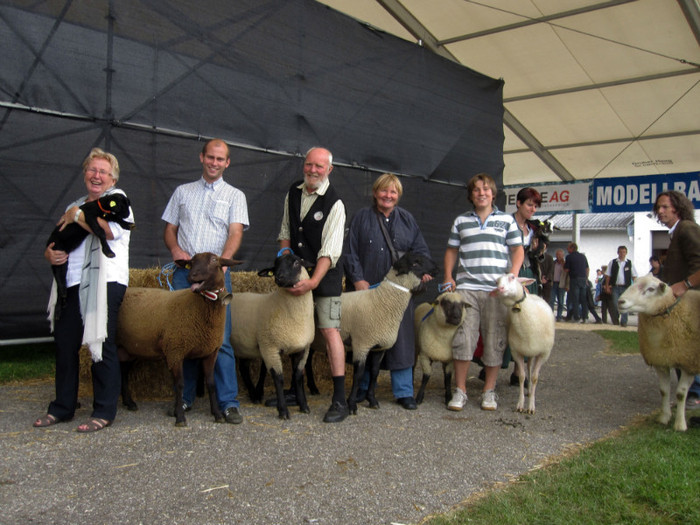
[483, 244]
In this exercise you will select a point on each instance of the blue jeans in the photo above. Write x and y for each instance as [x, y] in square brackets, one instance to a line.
[401, 382]
[617, 291]
[578, 291]
[695, 386]
[225, 369]
[558, 294]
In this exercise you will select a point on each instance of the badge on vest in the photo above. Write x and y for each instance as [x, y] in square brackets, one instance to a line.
[318, 215]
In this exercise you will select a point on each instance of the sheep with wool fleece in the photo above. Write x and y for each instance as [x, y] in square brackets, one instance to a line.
[435, 326]
[269, 325]
[184, 324]
[531, 327]
[370, 318]
[669, 337]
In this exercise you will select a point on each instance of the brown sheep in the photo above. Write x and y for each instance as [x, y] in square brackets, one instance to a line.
[184, 324]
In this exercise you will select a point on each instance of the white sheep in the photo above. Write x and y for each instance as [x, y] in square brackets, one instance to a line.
[184, 324]
[435, 326]
[371, 318]
[669, 337]
[269, 325]
[530, 332]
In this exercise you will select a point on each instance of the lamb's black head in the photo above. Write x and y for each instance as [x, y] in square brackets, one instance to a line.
[114, 206]
[287, 270]
[417, 264]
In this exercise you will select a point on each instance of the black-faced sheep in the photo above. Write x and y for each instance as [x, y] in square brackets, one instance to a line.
[179, 325]
[370, 319]
[269, 325]
[669, 337]
[114, 207]
[435, 326]
[530, 332]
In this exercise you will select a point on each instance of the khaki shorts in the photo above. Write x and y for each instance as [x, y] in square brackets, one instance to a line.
[327, 312]
[487, 316]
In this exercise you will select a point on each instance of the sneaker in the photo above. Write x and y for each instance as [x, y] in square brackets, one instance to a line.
[489, 400]
[692, 402]
[459, 399]
[233, 416]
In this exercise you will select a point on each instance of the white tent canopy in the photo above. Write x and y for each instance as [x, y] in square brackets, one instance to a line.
[592, 88]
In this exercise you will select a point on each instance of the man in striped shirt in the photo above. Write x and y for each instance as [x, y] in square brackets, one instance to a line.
[209, 215]
[483, 244]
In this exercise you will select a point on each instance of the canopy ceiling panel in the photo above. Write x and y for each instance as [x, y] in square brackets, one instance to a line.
[576, 73]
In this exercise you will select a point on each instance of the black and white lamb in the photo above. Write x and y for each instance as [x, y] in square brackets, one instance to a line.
[435, 327]
[669, 337]
[114, 207]
[269, 325]
[530, 332]
[370, 319]
[184, 324]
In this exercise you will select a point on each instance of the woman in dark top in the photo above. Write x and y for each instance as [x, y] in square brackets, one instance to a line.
[368, 258]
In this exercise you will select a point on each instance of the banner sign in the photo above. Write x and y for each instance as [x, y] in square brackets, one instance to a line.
[629, 194]
[565, 197]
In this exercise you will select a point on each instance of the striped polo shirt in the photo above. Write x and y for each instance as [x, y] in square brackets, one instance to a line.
[484, 249]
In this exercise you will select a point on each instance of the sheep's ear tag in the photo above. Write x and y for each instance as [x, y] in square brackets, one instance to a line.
[188, 266]
[112, 204]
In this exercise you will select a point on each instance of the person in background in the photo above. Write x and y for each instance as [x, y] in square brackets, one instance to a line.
[478, 269]
[620, 275]
[96, 286]
[208, 215]
[605, 298]
[591, 302]
[576, 266]
[681, 269]
[558, 284]
[656, 267]
[547, 271]
[313, 224]
[599, 280]
[368, 258]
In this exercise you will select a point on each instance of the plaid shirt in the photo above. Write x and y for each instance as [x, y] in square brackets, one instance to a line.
[203, 212]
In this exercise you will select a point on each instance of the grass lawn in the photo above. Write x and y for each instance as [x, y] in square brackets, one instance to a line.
[24, 362]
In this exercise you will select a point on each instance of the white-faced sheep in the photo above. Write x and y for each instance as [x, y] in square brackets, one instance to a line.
[184, 324]
[269, 325]
[370, 319]
[669, 337]
[435, 326]
[530, 332]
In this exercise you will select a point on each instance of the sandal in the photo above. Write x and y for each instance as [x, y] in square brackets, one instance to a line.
[46, 421]
[93, 425]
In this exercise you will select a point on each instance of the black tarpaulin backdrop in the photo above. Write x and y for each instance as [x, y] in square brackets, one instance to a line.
[149, 80]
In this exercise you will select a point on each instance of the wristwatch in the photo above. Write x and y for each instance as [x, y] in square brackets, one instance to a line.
[77, 215]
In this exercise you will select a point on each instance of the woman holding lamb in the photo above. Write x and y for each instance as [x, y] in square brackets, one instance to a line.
[378, 236]
[96, 286]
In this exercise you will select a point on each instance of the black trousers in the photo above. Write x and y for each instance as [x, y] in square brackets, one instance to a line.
[106, 380]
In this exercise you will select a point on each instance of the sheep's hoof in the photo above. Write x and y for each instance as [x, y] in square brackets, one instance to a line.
[284, 415]
[220, 419]
[181, 423]
[131, 406]
[305, 410]
[374, 404]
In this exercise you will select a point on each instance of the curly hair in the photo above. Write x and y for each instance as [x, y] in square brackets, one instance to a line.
[684, 208]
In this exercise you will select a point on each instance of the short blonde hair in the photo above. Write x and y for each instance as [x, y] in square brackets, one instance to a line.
[386, 180]
[97, 153]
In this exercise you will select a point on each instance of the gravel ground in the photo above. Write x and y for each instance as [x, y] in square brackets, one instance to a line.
[379, 467]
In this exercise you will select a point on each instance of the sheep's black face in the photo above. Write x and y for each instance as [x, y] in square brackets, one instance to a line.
[287, 270]
[452, 311]
[417, 264]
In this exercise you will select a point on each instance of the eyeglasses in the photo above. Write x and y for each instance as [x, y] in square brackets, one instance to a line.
[92, 171]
